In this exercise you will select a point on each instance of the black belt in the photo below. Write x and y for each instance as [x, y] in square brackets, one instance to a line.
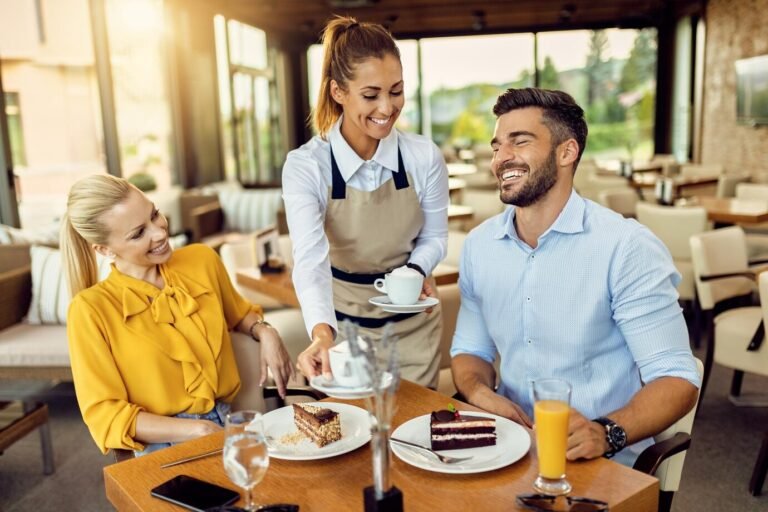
[373, 323]
[356, 278]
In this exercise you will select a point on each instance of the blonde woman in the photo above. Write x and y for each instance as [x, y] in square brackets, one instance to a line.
[363, 198]
[150, 349]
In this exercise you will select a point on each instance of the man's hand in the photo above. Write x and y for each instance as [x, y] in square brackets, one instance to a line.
[586, 439]
[514, 412]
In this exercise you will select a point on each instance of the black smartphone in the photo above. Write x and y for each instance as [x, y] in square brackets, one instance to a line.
[193, 494]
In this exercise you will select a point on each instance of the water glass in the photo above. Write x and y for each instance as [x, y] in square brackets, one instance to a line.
[245, 452]
[552, 398]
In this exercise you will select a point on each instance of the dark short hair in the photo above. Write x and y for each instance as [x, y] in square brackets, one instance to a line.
[561, 114]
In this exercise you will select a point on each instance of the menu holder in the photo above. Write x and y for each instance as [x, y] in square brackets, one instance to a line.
[378, 359]
[267, 251]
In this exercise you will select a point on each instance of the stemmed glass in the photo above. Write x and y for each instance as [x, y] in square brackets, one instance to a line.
[245, 452]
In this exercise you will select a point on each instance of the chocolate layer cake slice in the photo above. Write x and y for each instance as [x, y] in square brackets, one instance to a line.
[320, 425]
[451, 431]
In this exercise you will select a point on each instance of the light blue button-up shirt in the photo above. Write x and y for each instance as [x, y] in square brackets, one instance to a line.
[595, 303]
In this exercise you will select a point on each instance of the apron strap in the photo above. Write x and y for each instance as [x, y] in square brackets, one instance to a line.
[400, 177]
[373, 323]
[339, 187]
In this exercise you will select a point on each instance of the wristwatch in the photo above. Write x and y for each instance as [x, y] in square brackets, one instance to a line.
[260, 321]
[614, 435]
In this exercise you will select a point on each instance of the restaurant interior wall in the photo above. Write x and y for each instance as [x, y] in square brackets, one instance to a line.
[736, 29]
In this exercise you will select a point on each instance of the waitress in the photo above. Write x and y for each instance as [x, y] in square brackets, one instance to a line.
[362, 199]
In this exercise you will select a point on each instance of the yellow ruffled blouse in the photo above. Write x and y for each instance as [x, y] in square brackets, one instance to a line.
[134, 347]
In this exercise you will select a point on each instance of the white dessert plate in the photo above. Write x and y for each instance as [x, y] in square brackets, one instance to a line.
[336, 390]
[512, 443]
[384, 303]
[355, 432]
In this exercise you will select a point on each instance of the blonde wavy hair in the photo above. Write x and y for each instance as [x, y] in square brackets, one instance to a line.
[82, 226]
[346, 43]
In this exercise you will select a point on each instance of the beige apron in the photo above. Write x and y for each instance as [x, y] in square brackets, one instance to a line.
[371, 233]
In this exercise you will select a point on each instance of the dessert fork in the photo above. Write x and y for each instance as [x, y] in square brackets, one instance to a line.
[445, 459]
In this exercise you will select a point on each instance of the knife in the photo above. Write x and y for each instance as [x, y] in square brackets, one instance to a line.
[191, 458]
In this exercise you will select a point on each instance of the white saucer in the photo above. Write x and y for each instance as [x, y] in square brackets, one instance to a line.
[336, 390]
[384, 303]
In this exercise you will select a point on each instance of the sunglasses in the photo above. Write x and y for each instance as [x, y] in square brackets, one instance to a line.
[546, 503]
[277, 507]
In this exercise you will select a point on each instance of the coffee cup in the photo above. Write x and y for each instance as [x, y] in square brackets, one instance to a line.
[348, 370]
[402, 286]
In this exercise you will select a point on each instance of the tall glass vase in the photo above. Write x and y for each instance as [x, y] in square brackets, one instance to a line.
[382, 373]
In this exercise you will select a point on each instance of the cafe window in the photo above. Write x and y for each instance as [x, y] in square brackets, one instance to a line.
[15, 132]
[142, 106]
[251, 127]
[612, 75]
[53, 109]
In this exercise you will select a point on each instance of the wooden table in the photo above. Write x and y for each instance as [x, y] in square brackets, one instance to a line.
[612, 167]
[640, 181]
[731, 210]
[336, 484]
[460, 212]
[460, 169]
[279, 285]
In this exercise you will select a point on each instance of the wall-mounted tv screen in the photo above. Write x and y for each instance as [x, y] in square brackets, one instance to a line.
[752, 90]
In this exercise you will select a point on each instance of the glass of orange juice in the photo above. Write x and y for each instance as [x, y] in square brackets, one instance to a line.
[552, 398]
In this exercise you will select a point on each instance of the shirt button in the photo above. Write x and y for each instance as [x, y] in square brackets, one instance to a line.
[529, 341]
[528, 299]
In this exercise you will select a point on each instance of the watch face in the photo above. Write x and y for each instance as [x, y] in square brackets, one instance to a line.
[617, 437]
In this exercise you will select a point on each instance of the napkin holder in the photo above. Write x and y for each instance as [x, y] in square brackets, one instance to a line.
[392, 501]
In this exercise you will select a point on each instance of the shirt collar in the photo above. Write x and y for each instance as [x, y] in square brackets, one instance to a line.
[350, 162]
[570, 220]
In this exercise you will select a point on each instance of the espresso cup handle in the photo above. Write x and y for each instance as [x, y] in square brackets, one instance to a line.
[379, 285]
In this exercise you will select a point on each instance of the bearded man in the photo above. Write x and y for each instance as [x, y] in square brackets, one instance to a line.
[560, 287]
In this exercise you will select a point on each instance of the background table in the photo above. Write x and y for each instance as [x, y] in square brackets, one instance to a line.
[336, 484]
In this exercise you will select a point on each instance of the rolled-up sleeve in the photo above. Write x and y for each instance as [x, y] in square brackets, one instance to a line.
[645, 307]
[471, 336]
[101, 392]
[305, 213]
[431, 244]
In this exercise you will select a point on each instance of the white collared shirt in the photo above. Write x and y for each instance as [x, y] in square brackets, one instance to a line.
[306, 180]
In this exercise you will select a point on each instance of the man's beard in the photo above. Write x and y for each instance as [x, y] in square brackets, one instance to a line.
[537, 184]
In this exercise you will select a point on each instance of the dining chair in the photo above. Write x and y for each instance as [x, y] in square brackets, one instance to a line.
[727, 183]
[239, 255]
[757, 233]
[725, 285]
[674, 226]
[665, 458]
[620, 200]
[701, 170]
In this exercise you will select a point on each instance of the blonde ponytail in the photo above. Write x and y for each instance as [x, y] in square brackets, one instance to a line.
[80, 268]
[346, 43]
[82, 226]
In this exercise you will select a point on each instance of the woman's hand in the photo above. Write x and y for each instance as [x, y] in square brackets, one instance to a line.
[427, 291]
[314, 360]
[275, 357]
